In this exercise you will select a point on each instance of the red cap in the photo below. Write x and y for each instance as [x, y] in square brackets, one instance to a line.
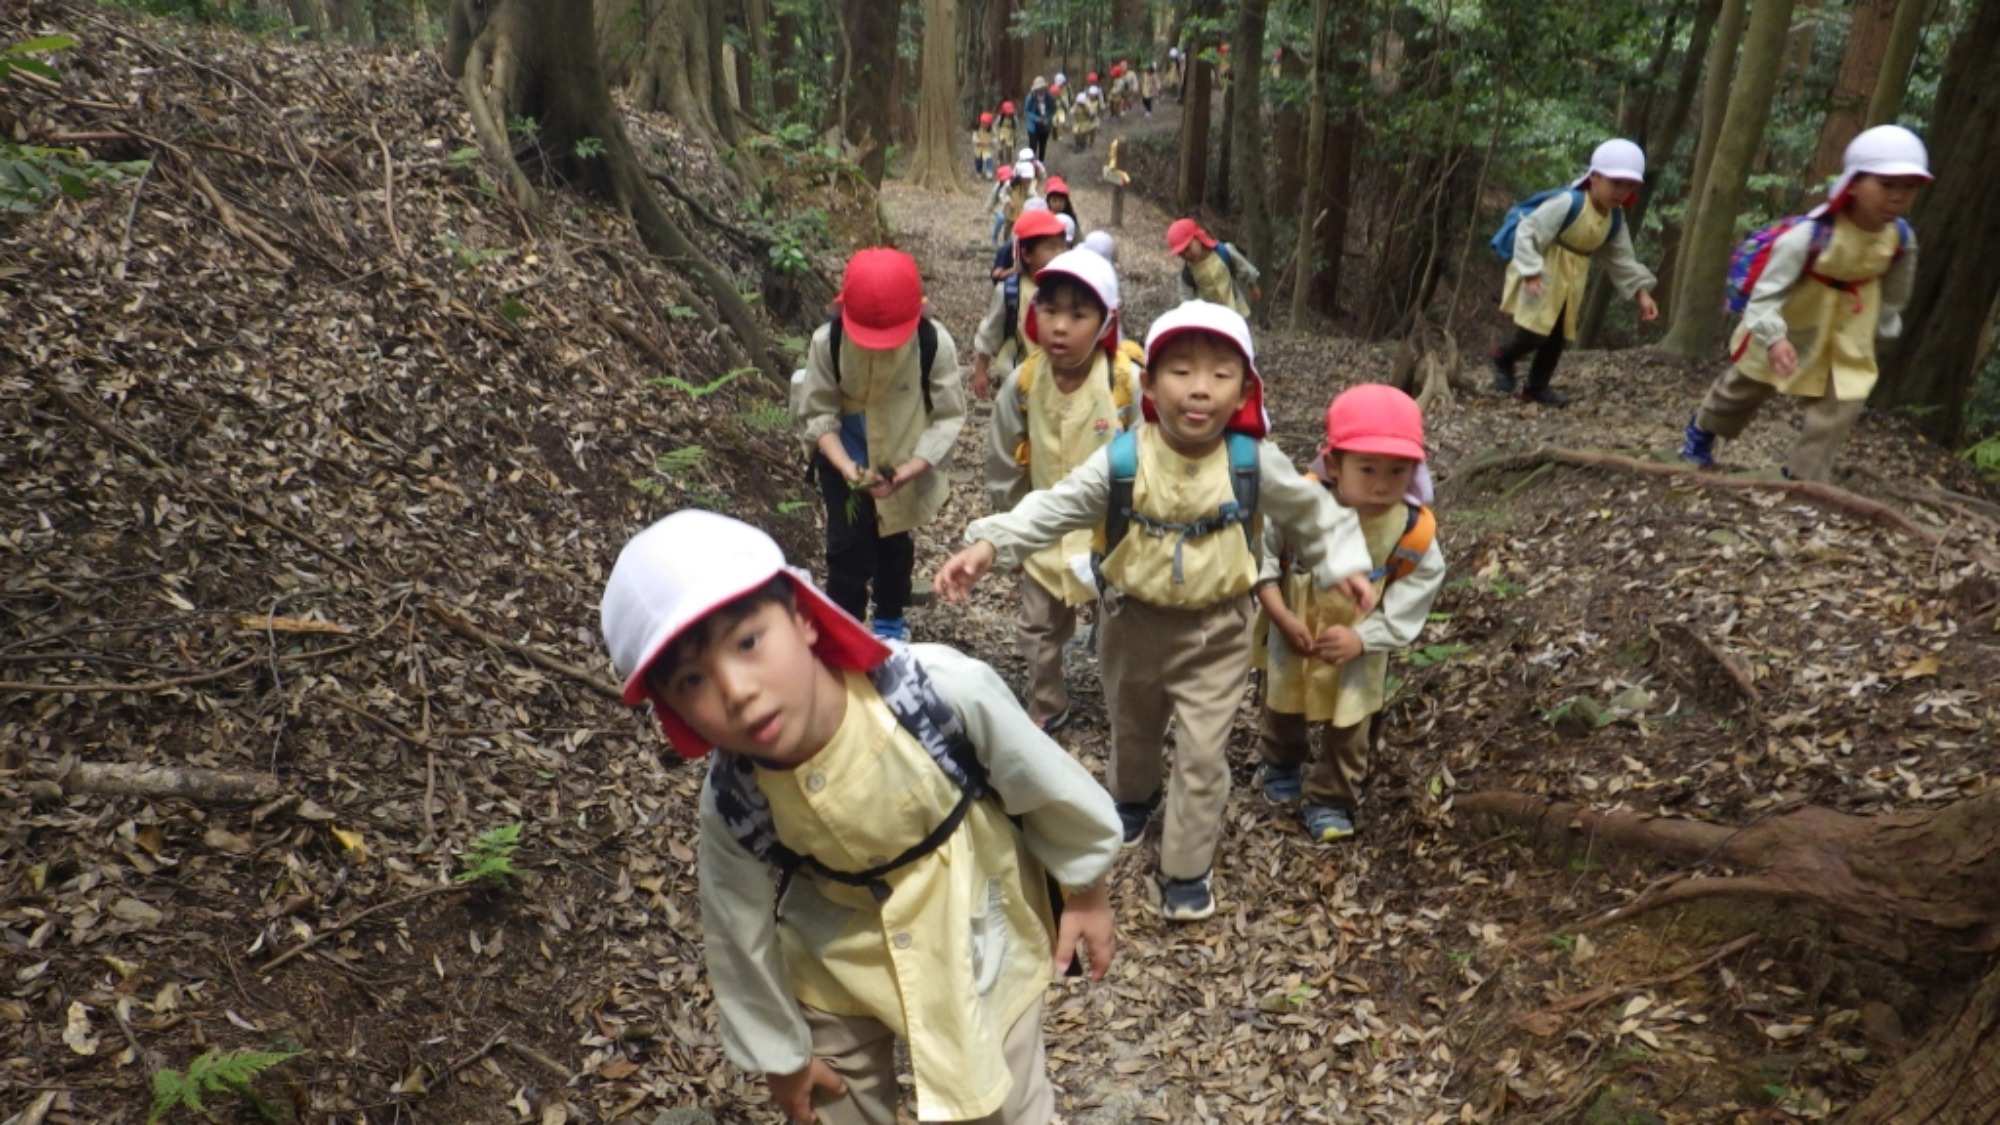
[1375, 418]
[1225, 48]
[1005, 173]
[1007, 107]
[1183, 231]
[1036, 224]
[1056, 186]
[881, 298]
[1091, 77]
[986, 119]
[1117, 70]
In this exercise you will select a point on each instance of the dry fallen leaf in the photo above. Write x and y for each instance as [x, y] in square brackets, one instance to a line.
[76, 1030]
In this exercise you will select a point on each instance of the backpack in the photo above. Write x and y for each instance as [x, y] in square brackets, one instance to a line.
[1408, 554]
[1228, 260]
[921, 711]
[1238, 511]
[1747, 261]
[927, 349]
[1010, 292]
[1510, 226]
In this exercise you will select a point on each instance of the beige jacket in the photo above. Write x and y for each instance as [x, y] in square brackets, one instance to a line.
[887, 388]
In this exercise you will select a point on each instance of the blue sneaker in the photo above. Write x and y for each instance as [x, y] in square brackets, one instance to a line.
[1699, 447]
[1133, 816]
[892, 628]
[1188, 900]
[1327, 825]
[1282, 785]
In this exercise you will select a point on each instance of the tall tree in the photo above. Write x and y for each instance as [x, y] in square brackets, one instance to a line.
[1893, 82]
[1868, 29]
[1288, 131]
[1698, 310]
[867, 73]
[1958, 228]
[1309, 209]
[1247, 85]
[680, 70]
[1194, 127]
[1714, 106]
[935, 165]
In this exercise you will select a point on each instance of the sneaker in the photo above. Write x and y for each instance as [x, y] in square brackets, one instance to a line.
[1547, 396]
[1327, 825]
[1135, 815]
[1699, 446]
[1053, 723]
[892, 628]
[1187, 900]
[1283, 785]
[1503, 377]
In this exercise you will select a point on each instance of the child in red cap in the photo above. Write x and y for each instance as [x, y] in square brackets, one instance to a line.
[880, 424]
[1056, 191]
[1215, 271]
[1007, 128]
[1177, 504]
[1002, 339]
[1326, 660]
[982, 147]
[833, 752]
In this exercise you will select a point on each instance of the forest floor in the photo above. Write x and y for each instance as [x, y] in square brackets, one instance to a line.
[314, 455]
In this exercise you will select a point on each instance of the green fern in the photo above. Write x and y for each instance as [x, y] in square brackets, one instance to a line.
[677, 461]
[490, 859]
[214, 1073]
[702, 390]
[768, 418]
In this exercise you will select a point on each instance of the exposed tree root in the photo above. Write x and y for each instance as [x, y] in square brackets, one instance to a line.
[125, 779]
[1952, 1077]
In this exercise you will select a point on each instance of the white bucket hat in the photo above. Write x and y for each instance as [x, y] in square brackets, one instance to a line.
[1061, 78]
[1027, 154]
[1101, 243]
[684, 568]
[1025, 170]
[1220, 320]
[1885, 150]
[1034, 203]
[1095, 271]
[1616, 159]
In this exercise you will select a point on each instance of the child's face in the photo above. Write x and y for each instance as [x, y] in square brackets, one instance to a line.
[1194, 251]
[1196, 383]
[1059, 203]
[1370, 483]
[1873, 202]
[1068, 327]
[1607, 193]
[1040, 253]
[756, 687]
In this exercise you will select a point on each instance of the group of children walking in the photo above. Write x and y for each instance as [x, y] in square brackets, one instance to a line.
[892, 845]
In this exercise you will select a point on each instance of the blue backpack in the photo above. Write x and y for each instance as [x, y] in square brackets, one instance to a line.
[1747, 261]
[1238, 511]
[1503, 239]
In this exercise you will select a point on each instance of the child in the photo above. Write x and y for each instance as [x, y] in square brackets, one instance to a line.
[1021, 187]
[998, 201]
[1174, 639]
[1056, 191]
[1007, 130]
[1151, 88]
[1061, 405]
[982, 147]
[1041, 117]
[1817, 341]
[883, 405]
[1105, 246]
[834, 751]
[1327, 664]
[1215, 271]
[1038, 238]
[1544, 291]
[1003, 256]
[1084, 121]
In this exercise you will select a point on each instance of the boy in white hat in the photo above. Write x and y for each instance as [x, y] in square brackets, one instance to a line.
[1553, 248]
[834, 752]
[1061, 405]
[1830, 285]
[1177, 503]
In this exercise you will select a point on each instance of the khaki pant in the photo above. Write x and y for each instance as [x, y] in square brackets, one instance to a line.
[1173, 663]
[863, 1052]
[1046, 622]
[1336, 776]
[1735, 397]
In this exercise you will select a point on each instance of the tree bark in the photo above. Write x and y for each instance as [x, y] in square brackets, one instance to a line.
[1894, 81]
[1933, 364]
[757, 26]
[868, 55]
[1310, 208]
[1247, 127]
[784, 63]
[1953, 1076]
[1714, 106]
[1194, 132]
[1698, 310]
[1288, 132]
[936, 165]
[1868, 35]
[680, 68]
[1338, 144]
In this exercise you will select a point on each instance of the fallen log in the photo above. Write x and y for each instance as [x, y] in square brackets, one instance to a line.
[127, 779]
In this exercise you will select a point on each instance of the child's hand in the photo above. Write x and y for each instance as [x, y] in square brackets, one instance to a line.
[794, 1092]
[889, 485]
[1784, 359]
[1338, 645]
[1086, 917]
[955, 578]
[1361, 590]
[1297, 637]
[1648, 310]
[980, 383]
[1532, 286]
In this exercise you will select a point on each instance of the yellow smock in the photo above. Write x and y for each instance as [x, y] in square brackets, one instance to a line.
[1309, 686]
[1064, 429]
[1172, 488]
[1833, 330]
[1213, 282]
[1565, 271]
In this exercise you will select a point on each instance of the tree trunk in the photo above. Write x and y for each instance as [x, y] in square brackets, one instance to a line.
[1338, 145]
[757, 25]
[310, 16]
[680, 69]
[1247, 127]
[1218, 185]
[868, 56]
[1935, 361]
[539, 59]
[1288, 132]
[1868, 35]
[1894, 81]
[1698, 310]
[1194, 134]
[1310, 208]
[1714, 105]
[784, 63]
[1953, 1076]
[936, 165]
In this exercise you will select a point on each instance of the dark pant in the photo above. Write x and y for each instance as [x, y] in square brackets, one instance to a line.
[859, 555]
[1039, 140]
[1546, 349]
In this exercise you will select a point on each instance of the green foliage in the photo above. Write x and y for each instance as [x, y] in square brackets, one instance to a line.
[215, 1073]
[17, 56]
[513, 312]
[789, 507]
[674, 462]
[521, 125]
[1564, 942]
[702, 390]
[465, 157]
[589, 148]
[490, 860]
[1431, 655]
[1985, 457]
[769, 418]
[470, 258]
[31, 176]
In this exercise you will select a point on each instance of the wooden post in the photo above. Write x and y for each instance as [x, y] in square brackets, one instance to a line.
[1117, 180]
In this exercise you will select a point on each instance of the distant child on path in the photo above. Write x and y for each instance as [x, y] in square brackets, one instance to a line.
[1150, 89]
[1083, 121]
[1041, 117]
[1007, 130]
[1214, 271]
[982, 147]
[1544, 289]
[1057, 193]
[1179, 514]
[832, 751]
[1326, 662]
[1060, 406]
[1830, 286]
[1002, 336]
[881, 424]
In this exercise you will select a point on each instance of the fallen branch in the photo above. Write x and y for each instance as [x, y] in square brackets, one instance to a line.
[1824, 495]
[533, 656]
[101, 687]
[388, 189]
[1546, 1022]
[355, 919]
[125, 779]
[1737, 675]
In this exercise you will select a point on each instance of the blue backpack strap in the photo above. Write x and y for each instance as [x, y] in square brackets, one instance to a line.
[1010, 293]
[1228, 258]
[1123, 451]
[1244, 480]
[1575, 208]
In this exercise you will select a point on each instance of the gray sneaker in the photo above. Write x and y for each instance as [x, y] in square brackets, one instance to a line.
[1327, 825]
[1187, 900]
[1282, 785]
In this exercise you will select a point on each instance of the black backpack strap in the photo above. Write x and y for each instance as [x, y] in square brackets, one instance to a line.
[833, 342]
[1010, 292]
[927, 349]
